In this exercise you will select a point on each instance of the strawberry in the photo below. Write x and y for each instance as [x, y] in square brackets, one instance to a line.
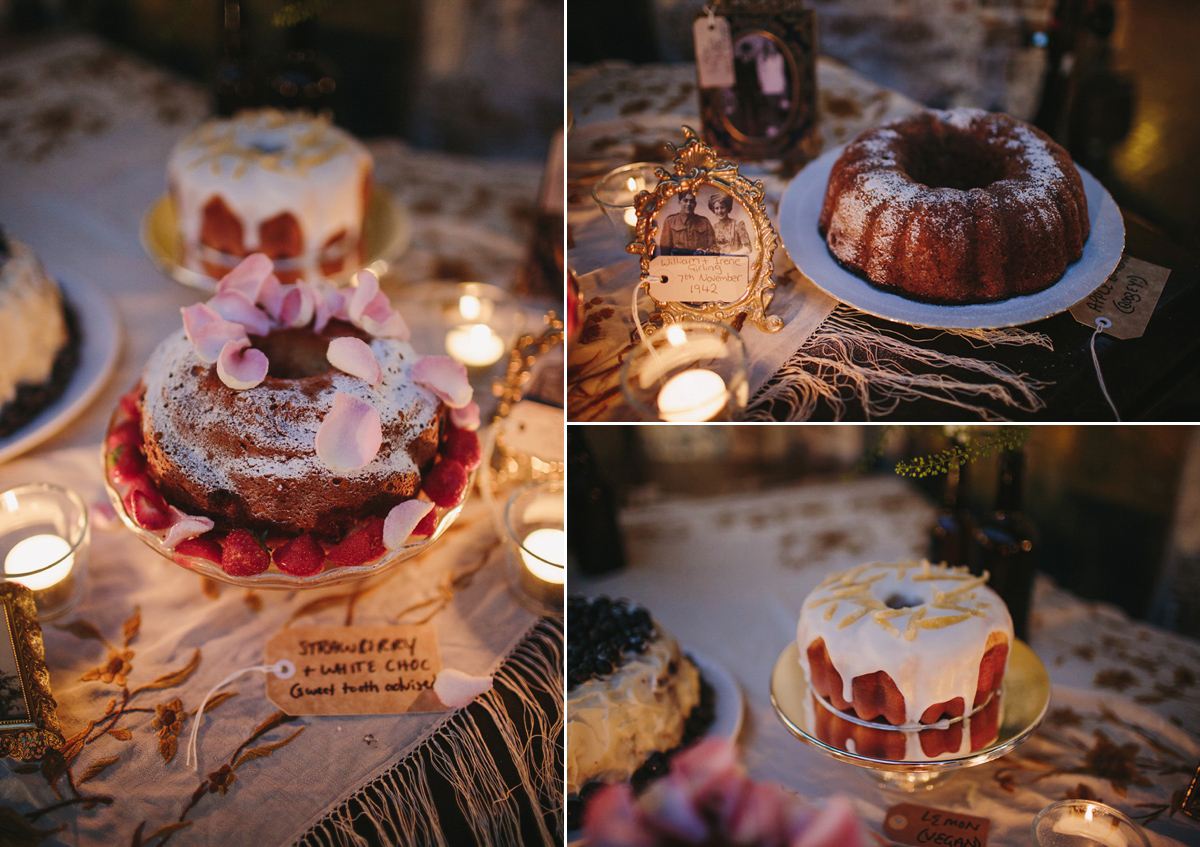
[363, 545]
[462, 445]
[446, 483]
[427, 524]
[244, 554]
[124, 434]
[125, 463]
[129, 404]
[146, 505]
[301, 556]
[200, 547]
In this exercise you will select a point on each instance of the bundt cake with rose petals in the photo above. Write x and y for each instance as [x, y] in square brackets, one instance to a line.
[292, 424]
[908, 644]
[289, 185]
[955, 207]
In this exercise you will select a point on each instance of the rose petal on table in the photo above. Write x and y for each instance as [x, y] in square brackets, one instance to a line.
[671, 807]
[208, 331]
[237, 307]
[402, 520]
[350, 435]
[445, 377]
[611, 817]
[184, 526]
[355, 357]
[457, 689]
[328, 303]
[466, 417]
[836, 825]
[103, 515]
[240, 366]
[757, 816]
[297, 307]
[248, 277]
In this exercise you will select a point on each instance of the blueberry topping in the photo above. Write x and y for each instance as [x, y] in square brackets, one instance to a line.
[601, 632]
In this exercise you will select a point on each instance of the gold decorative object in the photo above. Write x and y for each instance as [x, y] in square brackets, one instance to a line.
[700, 173]
[28, 720]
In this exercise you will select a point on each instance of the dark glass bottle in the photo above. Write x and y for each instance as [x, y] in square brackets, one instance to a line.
[304, 78]
[234, 84]
[1007, 544]
[593, 534]
[952, 533]
[543, 275]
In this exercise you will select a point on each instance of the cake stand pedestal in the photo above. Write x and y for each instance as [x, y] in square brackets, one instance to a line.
[1026, 698]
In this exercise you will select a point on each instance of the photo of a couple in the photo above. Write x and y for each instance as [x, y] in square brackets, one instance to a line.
[686, 232]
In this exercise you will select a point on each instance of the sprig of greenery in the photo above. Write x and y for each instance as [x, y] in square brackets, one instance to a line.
[299, 11]
[967, 449]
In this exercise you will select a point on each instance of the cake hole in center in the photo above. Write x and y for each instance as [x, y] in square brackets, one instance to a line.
[899, 601]
[294, 353]
[957, 161]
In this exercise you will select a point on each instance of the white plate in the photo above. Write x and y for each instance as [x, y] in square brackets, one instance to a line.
[98, 350]
[801, 206]
[387, 232]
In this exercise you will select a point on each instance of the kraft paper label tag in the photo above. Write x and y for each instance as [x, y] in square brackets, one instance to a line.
[1127, 298]
[535, 429]
[714, 52]
[699, 279]
[356, 670]
[909, 823]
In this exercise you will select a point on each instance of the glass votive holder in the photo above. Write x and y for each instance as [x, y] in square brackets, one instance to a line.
[1085, 823]
[614, 193]
[687, 371]
[44, 537]
[535, 525]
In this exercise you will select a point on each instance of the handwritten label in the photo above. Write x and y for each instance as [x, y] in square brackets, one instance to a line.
[1127, 298]
[356, 670]
[699, 279]
[908, 823]
[714, 52]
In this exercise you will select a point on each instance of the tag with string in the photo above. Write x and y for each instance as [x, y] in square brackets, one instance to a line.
[714, 51]
[1121, 307]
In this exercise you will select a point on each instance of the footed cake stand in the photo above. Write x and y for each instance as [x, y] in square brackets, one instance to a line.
[1026, 698]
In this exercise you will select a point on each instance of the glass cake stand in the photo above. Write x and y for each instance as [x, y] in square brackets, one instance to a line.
[1025, 700]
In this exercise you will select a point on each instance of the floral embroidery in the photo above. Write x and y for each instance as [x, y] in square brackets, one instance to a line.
[116, 669]
[221, 779]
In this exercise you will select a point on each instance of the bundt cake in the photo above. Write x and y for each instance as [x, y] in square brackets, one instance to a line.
[955, 207]
[41, 339]
[293, 414]
[287, 184]
[910, 643]
[630, 692]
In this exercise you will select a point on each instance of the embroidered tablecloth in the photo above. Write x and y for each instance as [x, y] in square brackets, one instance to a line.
[84, 135]
[727, 576]
[828, 354]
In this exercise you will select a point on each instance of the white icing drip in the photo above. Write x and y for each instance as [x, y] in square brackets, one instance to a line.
[940, 662]
[614, 722]
[317, 176]
[32, 327]
[171, 408]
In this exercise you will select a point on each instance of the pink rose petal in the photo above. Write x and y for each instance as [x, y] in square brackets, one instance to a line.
[350, 435]
[466, 417]
[402, 520]
[669, 806]
[836, 825]
[364, 291]
[103, 515]
[445, 377]
[457, 689]
[237, 307]
[354, 356]
[329, 303]
[297, 307]
[611, 817]
[270, 296]
[208, 331]
[248, 277]
[391, 326]
[184, 526]
[240, 366]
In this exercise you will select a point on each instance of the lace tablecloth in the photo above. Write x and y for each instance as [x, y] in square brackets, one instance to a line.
[84, 135]
[727, 576]
[829, 355]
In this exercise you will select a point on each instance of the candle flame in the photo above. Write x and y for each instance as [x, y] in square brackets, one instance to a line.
[469, 306]
[676, 335]
[631, 184]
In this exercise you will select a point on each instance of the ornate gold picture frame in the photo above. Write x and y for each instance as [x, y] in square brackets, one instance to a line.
[706, 242]
[28, 720]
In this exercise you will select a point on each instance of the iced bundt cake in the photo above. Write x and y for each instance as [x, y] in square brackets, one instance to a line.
[295, 418]
[632, 695]
[287, 184]
[955, 207]
[908, 644]
[40, 337]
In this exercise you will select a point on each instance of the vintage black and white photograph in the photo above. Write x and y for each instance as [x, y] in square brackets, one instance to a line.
[14, 708]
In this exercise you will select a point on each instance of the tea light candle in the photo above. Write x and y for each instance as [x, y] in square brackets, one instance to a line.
[39, 562]
[1101, 830]
[475, 345]
[544, 552]
[692, 395]
[1085, 823]
[616, 190]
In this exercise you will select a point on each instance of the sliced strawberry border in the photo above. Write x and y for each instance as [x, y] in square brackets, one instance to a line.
[142, 504]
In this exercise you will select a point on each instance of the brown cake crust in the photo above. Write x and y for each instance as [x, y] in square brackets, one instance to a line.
[955, 207]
